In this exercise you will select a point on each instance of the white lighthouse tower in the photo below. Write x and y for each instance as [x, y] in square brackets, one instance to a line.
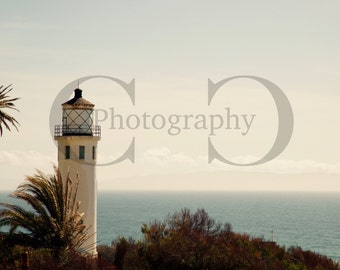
[77, 147]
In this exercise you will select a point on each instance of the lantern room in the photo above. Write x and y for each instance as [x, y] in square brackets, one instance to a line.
[77, 116]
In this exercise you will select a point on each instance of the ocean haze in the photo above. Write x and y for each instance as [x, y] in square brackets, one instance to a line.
[225, 181]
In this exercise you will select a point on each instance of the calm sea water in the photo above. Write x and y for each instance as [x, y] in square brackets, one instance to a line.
[309, 220]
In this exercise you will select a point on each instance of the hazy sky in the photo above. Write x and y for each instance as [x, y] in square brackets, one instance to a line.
[171, 49]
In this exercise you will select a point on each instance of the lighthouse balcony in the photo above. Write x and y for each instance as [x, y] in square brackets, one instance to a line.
[77, 130]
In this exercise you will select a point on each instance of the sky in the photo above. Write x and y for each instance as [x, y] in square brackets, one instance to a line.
[171, 49]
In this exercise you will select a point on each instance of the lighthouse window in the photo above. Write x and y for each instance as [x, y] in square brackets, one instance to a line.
[93, 152]
[67, 152]
[81, 152]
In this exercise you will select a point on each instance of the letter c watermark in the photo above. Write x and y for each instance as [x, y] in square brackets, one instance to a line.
[285, 118]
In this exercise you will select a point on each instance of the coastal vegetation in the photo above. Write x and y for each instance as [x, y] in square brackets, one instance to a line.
[51, 222]
[186, 240]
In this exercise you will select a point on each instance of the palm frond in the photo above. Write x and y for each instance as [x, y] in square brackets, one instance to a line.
[55, 221]
[7, 103]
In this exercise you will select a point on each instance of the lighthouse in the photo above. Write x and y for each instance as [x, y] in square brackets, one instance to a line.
[77, 139]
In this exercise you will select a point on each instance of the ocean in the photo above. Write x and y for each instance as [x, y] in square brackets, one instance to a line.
[309, 220]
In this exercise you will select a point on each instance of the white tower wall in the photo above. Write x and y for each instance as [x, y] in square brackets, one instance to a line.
[85, 170]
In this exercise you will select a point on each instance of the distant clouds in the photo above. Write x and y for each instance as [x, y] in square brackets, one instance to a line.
[165, 158]
[16, 164]
[32, 159]
[162, 169]
[166, 161]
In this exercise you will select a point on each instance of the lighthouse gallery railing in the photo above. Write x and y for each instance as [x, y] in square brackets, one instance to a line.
[62, 130]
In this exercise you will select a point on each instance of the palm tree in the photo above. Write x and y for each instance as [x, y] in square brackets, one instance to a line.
[7, 103]
[56, 222]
